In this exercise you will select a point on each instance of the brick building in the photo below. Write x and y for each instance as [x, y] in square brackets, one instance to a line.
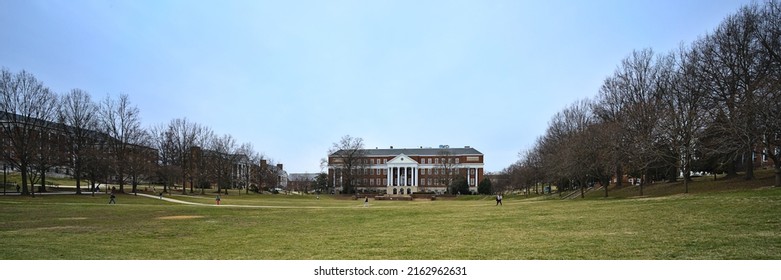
[406, 171]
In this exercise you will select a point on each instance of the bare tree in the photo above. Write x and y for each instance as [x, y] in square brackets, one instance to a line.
[736, 71]
[182, 137]
[121, 121]
[347, 156]
[682, 91]
[769, 35]
[51, 151]
[29, 108]
[628, 107]
[141, 160]
[223, 157]
[446, 171]
[247, 159]
[166, 169]
[79, 119]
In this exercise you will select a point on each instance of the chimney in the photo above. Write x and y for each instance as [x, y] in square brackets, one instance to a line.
[279, 166]
[391, 147]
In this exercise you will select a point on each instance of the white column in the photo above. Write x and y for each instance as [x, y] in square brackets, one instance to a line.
[468, 175]
[477, 177]
[411, 176]
[414, 176]
[405, 177]
[417, 177]
[395, 176]
[387, 176]
[409, 171]
[404, 174]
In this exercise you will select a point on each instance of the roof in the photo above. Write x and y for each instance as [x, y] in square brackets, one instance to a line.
[419, 151]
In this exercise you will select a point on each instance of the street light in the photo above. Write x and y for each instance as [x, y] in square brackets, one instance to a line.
[4, 182]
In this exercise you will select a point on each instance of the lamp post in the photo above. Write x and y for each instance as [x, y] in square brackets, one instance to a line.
[4, 182]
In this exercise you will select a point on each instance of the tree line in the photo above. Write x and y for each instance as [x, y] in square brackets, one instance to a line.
[103, 141]
[710, 106]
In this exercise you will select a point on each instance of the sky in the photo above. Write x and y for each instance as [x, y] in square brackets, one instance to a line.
[293, 77]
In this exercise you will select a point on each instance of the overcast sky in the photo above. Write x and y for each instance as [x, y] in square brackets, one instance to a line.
[293, 77]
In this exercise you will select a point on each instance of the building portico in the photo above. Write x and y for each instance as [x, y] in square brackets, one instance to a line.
[402, 175]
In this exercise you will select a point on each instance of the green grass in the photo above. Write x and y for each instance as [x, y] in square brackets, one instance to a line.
[740, 224]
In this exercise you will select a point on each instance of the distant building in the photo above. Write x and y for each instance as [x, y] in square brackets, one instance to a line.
[407, 171]
[282, 178]
[302, 182]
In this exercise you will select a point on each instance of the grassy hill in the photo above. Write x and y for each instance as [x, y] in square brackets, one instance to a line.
[705, 184]
[728, 224]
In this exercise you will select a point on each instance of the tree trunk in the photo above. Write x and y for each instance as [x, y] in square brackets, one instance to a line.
[184, 181]
[121, 176]
[43, 182]
[749, 165]
[732, 169]
[642, 182]
[133, 183]
[23, 171]
[619, 177]
[78, 181]
[778, 174]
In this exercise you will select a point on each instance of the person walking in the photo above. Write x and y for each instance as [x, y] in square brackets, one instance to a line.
[112, 199]
[366, 201]
[218, 199]
[498, 199]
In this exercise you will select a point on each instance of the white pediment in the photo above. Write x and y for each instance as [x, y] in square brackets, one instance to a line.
[402, 159]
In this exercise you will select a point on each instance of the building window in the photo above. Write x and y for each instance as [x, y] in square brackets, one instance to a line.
[457, 160]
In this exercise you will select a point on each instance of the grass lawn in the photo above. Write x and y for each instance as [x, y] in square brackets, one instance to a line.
[732, 224]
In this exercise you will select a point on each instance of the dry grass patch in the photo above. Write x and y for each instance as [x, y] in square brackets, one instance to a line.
[179, 217]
